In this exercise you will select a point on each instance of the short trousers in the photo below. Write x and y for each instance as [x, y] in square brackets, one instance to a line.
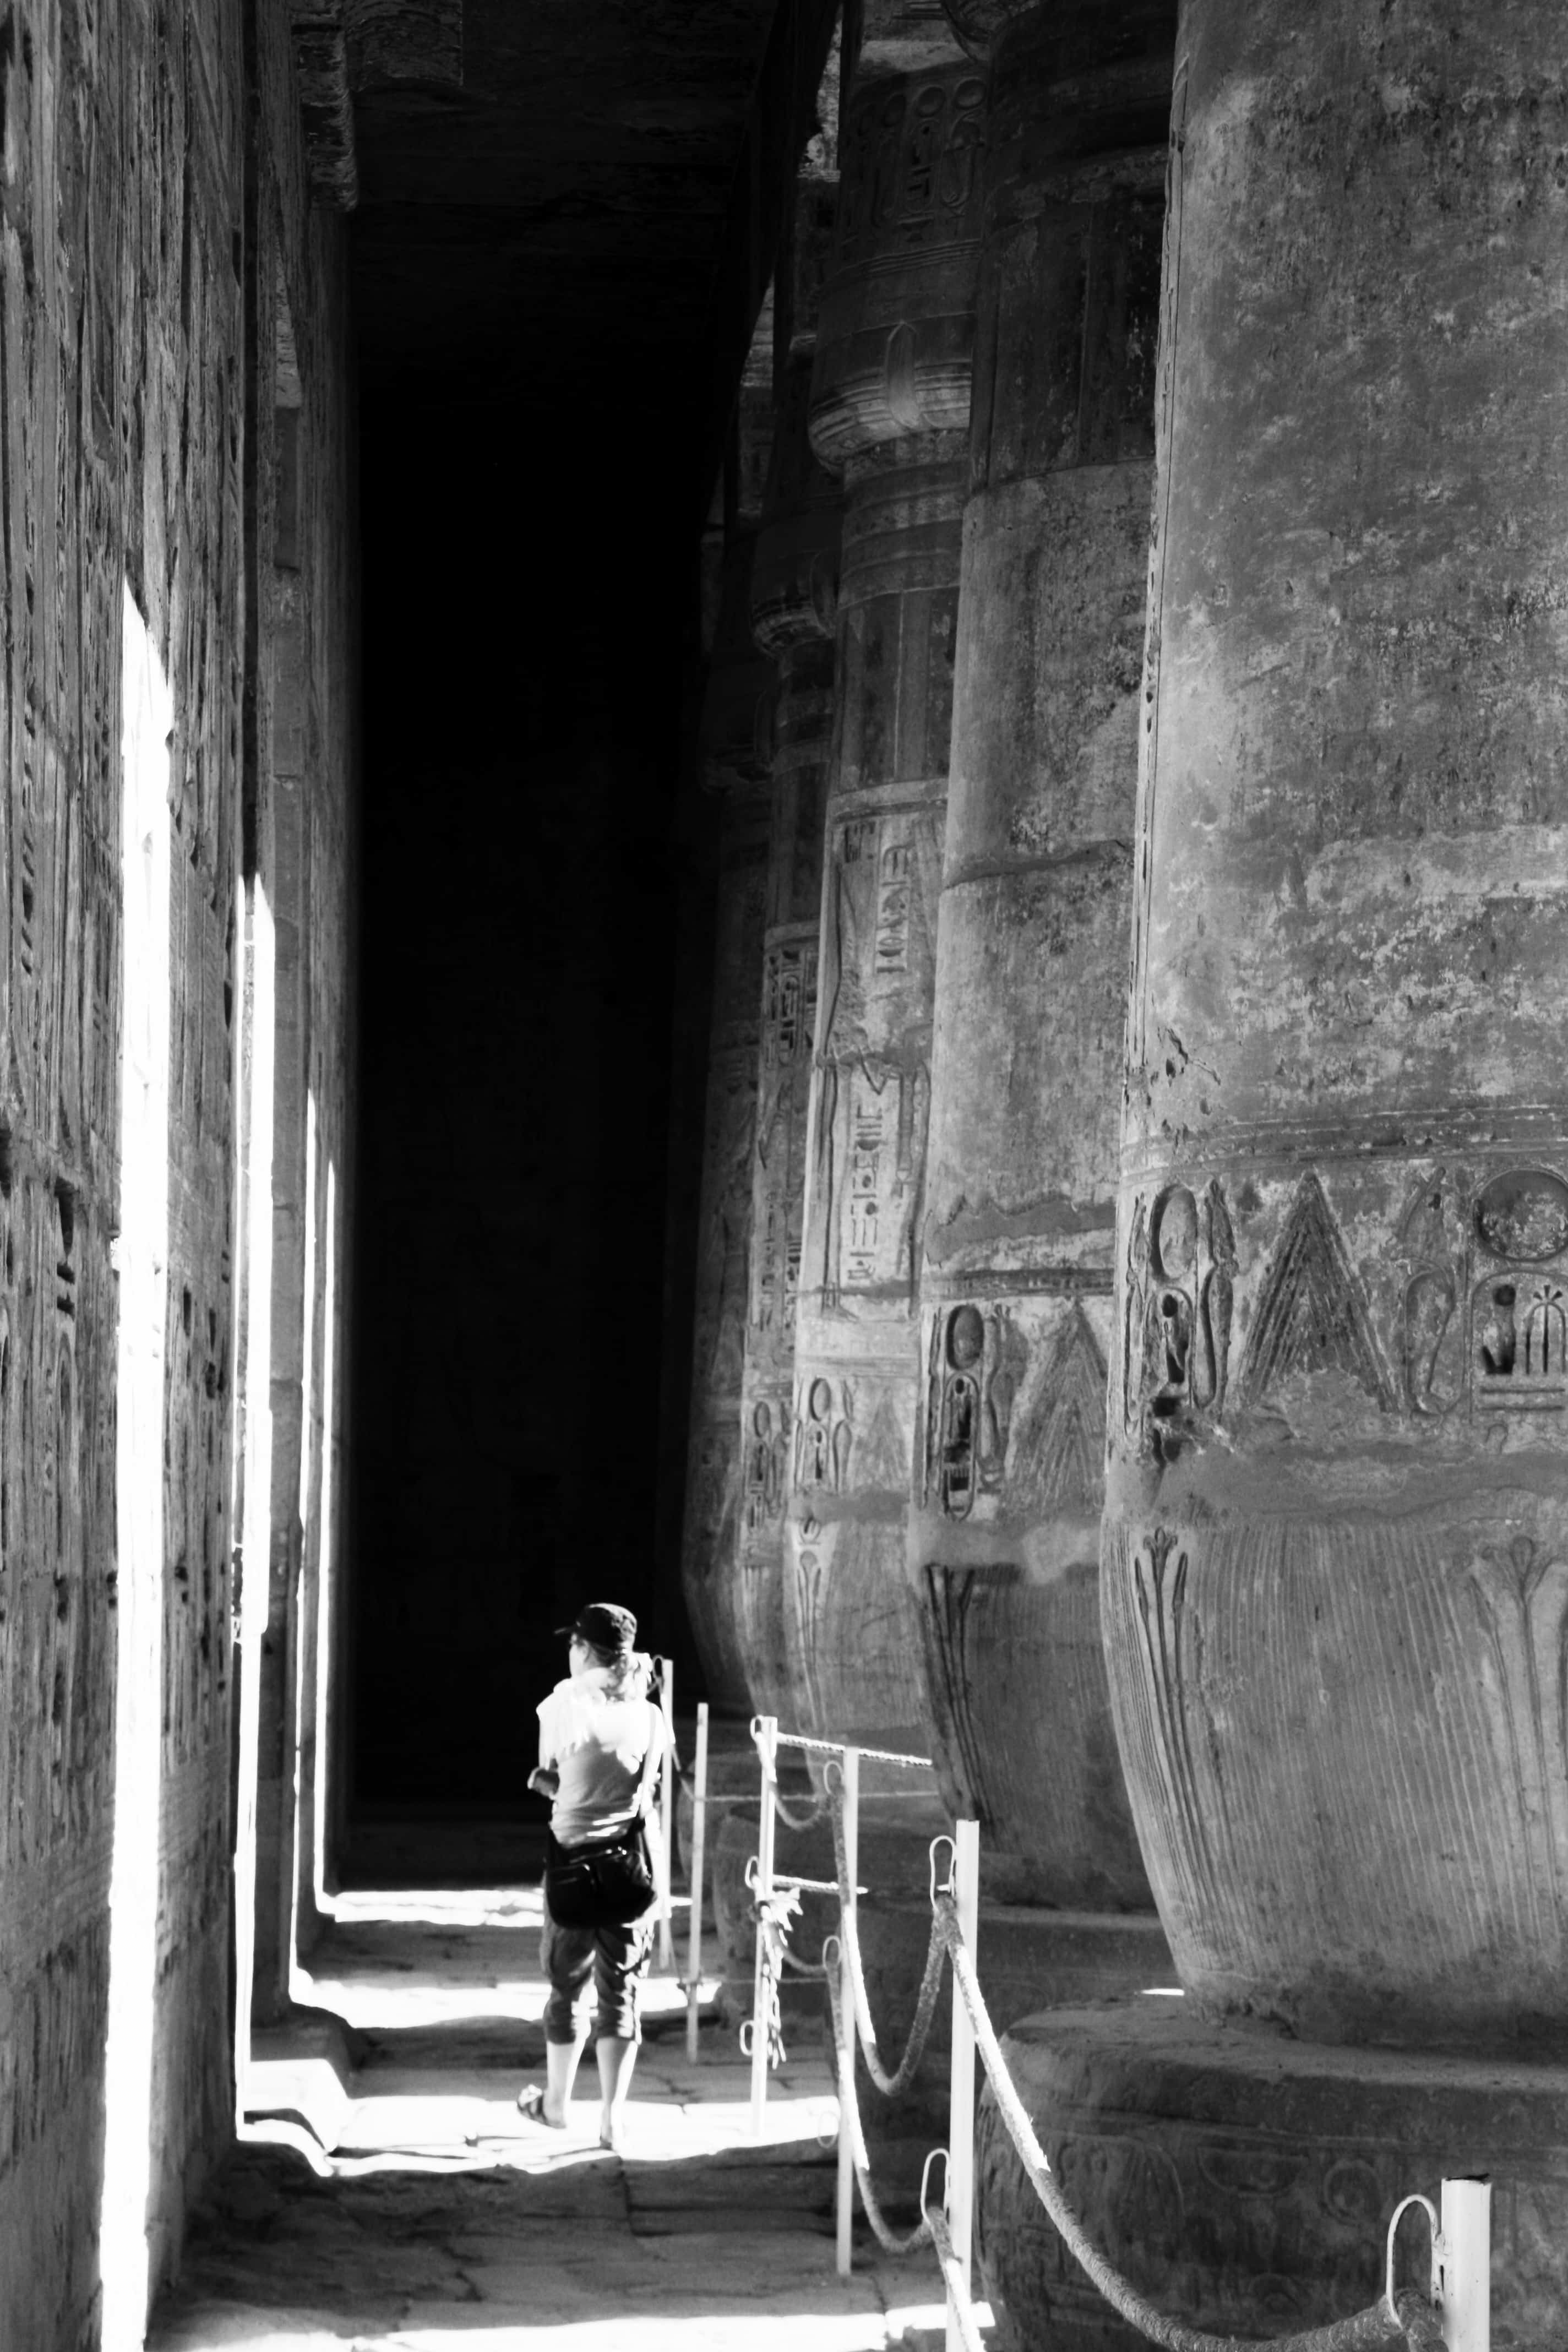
[616, 1958]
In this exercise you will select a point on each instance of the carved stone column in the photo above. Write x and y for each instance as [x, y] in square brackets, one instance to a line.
[793, 599]
[1031, 961]
[1335, 1562]
[890, 409]
[733, 749]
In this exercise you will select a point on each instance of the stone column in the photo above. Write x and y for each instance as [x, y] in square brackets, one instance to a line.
[1335, 1562]
[1017, 1266]
[734, 751]
[794, 600]
[889, 409]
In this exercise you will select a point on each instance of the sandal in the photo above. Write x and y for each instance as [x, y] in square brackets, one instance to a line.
[530, 2107]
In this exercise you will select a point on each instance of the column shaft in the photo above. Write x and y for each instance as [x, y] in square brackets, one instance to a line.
[1017, 1266]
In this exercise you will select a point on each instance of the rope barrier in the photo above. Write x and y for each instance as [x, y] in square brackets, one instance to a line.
[1380, 2324]
[891, 2084]
[887, 2237]
[1407, 2319]
[867, 1755]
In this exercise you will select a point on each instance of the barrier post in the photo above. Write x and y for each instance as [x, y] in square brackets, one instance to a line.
[961, 2114]
[667, 1821]
[1466, 2265]
[764, 1730]
[847, 1901]
[699, 1841]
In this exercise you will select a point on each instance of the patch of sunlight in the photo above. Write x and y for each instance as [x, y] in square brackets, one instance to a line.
[724, 2330]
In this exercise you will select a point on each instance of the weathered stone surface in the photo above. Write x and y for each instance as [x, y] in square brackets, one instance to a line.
[889, 398]
[1333, 1603]
[794, 592]
[1030, 981]
[1243, 2182]
[736, 751]
[305, 830]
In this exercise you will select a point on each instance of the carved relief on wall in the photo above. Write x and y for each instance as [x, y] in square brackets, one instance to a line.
[972, 1384]
[1484, 1304]
[824, 1433]
[789, 1011]
[912, 166]
[1521, 1592]
[1178, 1306]
[1518, 1307]
[878, 1113]
[766, 1461]
[1311, 1314]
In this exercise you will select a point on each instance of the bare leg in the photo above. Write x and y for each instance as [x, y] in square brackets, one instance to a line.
[617, 2056]
[559, 2074]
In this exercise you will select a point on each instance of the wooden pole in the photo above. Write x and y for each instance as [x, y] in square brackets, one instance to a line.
[961, 2115]
[764, 1730]
[667, 1821]
[848, 1902]
[699, 1841]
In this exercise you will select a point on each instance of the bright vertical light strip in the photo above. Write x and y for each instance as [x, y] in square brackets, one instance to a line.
[307, 1455]
[327, 1558]
[141, 1258]
[254, 1528]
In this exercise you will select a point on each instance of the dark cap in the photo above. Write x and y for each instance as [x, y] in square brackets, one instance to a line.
[604, 1626]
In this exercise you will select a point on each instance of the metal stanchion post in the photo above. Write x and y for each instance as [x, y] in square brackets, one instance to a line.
[1466, 2265]
[764, 1731]
[847, 1901]
[699, 1841]
[961, 2114]
[667, 1821]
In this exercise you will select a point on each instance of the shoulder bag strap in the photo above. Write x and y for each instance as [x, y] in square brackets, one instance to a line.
[652, 1761]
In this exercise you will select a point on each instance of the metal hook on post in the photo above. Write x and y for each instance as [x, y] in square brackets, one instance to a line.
[946, 1885]
[1435, 2285]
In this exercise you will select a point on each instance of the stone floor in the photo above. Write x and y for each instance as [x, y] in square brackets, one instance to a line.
[393, 2196]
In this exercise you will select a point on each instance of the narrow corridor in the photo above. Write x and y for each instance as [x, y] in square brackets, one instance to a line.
[442, 2222]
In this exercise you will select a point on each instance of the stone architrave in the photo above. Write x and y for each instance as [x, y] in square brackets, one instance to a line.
[1018, 1257]
[890, 411]
[734, 754]
[793, 598]
[1335, 1556]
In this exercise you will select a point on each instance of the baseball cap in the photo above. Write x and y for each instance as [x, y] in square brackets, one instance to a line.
[606, 1625]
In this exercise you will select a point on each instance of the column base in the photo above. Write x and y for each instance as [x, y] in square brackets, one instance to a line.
[1027, 1956]
[1243, 2181]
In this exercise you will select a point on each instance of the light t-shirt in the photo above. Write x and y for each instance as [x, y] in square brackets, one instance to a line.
[597, 1745]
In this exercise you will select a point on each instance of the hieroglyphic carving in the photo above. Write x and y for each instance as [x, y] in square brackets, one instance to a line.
[824, 1433]
[789, 1009]
[1427, 1248]
[911, 165]
[1311, 1314]
[1178, 1306]
[1519, 1310]
[767, 1454]
[976, 1364]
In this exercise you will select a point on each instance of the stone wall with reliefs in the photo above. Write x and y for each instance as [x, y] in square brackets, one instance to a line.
[122, 421]
[303, 581]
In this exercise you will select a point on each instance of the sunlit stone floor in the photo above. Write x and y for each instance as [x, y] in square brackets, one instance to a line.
[419, 2210]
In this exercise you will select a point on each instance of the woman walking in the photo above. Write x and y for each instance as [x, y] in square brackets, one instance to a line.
[602, 1740]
